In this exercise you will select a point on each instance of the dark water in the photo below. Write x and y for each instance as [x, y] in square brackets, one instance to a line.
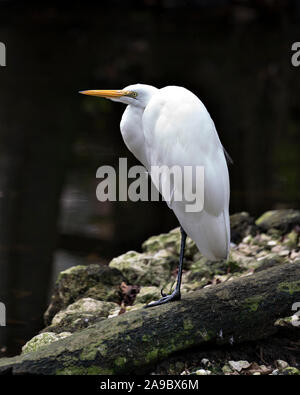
[52, 140]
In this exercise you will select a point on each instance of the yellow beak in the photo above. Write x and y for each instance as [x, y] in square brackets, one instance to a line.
[105, 93]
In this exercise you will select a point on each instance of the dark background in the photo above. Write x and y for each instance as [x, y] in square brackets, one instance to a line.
[235, 55]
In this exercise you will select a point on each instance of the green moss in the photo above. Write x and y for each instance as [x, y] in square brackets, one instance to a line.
[266, 216]
[90, 353]
[206, 335]
[80, 370]
[188, 325]
[291, 371]
[120, 361]
[291, 239]
[152, 355]
[42, 340]
[289, 287]
[253, 302]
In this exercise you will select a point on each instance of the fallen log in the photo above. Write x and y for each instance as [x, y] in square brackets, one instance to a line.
[236, 311]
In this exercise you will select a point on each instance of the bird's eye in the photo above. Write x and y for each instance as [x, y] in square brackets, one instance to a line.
[132, 94]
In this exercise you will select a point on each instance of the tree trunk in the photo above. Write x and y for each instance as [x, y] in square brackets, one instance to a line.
[232, 312]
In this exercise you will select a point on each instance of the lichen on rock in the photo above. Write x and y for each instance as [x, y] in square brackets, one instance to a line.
[149, 269]
[81, 314]
[96, 281]
[41, 340]
[282, 220]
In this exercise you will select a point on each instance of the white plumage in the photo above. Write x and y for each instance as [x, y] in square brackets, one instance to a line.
[169, 127]
[174, 128]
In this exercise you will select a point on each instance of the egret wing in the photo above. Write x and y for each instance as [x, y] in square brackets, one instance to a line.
[179, 131]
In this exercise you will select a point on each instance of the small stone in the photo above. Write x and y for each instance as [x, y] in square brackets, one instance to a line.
[291, 240]
[275, 372]
[239, 365]
[281, 364]
[205, 362]
[179, 365]
[291, 371]
[265, 369]
[284, 253]
[203, 372]
[226, 369]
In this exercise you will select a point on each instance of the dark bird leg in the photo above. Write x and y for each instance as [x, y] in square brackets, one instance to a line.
[175, 295]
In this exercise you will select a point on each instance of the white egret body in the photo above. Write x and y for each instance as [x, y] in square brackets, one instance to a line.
[169, 127]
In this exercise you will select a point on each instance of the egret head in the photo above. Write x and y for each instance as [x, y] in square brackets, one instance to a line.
[136, 95]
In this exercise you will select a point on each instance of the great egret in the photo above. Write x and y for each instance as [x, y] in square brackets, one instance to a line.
[168, 127]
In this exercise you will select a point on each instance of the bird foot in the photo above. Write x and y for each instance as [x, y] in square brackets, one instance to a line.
[165, 299]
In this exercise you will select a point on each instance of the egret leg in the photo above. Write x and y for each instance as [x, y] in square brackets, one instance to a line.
[175, 295]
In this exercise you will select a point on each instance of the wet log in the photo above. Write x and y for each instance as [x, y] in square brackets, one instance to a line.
[236, 311]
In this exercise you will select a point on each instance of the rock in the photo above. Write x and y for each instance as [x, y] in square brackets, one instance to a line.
[291, 240]
[41, 340]
[179, 365]
[149, 269]
[284, 253]
[95, 281]
[147, 294]
[283, 220]
[137, 306]
[275, 372]
[238, 261]
[270, 260]
[241, 225]
[81, 314]
[171, 242]
[205, 362]
[281, 364]
[203, 372]
[239, 365]
[206, 268]
[290, 371]
[93, 297]
[226, 369]
[134, 341]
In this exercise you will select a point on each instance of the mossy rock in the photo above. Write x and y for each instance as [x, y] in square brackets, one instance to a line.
[291, 240]
[80, 315]
[241, 225]
[290, 371]
[283, 220]
[42, 340]
[98, 282]
[206, 268]
[170, 241]
[146, 268]
[147, 294]
[270, 260]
